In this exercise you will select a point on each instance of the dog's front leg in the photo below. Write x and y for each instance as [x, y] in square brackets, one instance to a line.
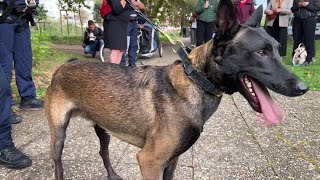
[104, 152]
[153, 158]
[169, 170]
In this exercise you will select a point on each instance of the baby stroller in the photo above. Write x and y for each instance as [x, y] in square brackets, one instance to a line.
[148, 41]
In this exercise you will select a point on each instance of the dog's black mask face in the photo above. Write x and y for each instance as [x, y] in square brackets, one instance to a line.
[249, 60]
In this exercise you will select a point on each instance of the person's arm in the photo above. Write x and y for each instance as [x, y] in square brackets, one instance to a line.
[100, 34]
[85, 38]
[138, 4]
[117, 6]
[268, 10]
[286, 9]
[313, 6]
[200, 7]
[295, 6]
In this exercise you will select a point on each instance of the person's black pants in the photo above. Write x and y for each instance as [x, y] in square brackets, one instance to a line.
[304, 32]
[204, 31]
[280, 34]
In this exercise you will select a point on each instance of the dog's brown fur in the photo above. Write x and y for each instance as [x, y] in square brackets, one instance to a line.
[159, 109]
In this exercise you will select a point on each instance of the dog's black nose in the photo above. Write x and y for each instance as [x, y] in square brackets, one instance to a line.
[301, 87]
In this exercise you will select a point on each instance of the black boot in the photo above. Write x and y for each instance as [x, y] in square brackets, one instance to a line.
[11, 157]
[15, 118]
[31, 103]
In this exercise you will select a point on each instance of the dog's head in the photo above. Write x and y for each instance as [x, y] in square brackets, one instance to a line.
[245, 58]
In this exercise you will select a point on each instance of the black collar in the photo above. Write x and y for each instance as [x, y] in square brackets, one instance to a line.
[196, 76]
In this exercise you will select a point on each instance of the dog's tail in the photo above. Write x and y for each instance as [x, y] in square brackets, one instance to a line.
[72, 59]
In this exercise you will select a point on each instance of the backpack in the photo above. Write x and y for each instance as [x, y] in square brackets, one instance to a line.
[105, 8]
[300, 55]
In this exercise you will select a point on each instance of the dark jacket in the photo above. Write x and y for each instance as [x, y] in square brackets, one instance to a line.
[98, 33]
[19, 3]
[309, 11]
[118, 13]
[243, 13]
[209, 14]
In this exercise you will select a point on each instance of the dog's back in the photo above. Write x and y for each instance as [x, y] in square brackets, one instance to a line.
[120, 99]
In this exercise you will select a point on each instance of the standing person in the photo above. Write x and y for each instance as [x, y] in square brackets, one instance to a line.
[10, 156]
[205, 11]
[93, 39]
[193, 21]
[304, 26]
[15, 51]
[115, 28]
[278, 13]
[244, 9]
[132, 37]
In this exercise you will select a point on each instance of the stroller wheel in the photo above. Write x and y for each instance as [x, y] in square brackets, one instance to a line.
[160, 49]
[101, 53]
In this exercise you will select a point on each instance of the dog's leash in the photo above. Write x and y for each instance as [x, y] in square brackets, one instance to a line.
[150, 22]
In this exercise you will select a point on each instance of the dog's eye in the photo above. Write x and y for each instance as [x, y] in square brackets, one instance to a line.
[261, 52]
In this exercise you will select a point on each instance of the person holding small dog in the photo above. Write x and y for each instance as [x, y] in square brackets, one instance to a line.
[304, 26]
[206, 13]
[278, 14]
[93, 39]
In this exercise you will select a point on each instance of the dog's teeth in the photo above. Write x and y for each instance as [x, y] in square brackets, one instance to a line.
[251, 90]
[253, 94]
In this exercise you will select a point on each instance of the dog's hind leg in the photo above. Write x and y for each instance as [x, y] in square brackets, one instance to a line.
[169, 170]
[104, 152]
[58, 115]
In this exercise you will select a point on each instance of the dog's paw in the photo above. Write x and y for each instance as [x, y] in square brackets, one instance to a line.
[114, 177]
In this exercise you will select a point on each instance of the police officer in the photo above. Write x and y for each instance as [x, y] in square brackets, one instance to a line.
[132, 36]
[10, 156]
[15, 49]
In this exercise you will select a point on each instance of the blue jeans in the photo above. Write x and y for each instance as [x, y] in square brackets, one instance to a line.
[5, 105]
[94, 47]
[15, 50]
[132, 44]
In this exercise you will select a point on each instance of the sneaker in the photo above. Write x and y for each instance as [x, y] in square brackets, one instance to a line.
[11, 157]
[31, 103]
[15, 118]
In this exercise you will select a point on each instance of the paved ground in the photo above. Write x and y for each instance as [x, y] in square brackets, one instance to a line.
[233, 145]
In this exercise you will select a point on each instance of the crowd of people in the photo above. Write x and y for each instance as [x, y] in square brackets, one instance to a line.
[278, 15]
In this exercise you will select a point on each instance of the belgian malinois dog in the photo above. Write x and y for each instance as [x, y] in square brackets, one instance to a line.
[160, 109]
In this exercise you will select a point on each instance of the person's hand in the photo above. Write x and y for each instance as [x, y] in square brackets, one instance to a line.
[83, 45]
[269, 12]
[278, 10]
[123, 3]
[206, 5]
[305, 3]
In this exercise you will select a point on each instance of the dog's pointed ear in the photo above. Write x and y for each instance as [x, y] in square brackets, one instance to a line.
[226, 17]
[255, 19]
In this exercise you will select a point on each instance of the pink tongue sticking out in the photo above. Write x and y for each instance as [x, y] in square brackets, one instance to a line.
[272, 114]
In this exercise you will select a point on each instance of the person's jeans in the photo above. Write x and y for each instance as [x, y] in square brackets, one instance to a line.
[5, 105]
[15, 49]
[94, 47]
[132, 44]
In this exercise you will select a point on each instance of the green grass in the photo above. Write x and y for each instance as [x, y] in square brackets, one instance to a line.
[309, 74]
